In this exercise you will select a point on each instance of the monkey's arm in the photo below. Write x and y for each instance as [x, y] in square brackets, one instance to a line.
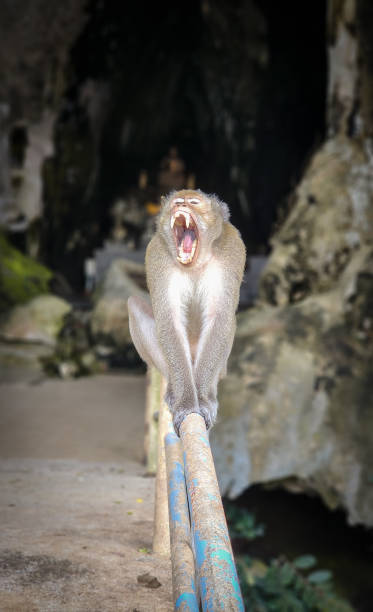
[221, 286]
[171, 329]
[214, 347]
[143, 333]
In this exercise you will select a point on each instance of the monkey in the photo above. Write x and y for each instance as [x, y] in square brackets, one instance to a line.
[194, 267]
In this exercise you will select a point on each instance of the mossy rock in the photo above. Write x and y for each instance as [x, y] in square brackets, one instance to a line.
[21, 277]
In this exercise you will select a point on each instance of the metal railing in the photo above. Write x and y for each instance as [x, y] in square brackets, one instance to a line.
[189, 519]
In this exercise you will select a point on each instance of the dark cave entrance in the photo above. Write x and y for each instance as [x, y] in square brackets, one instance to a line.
[291, 118]
[240, 90]
[301, 524]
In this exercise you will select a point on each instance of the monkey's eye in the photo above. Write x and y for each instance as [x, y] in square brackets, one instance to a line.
[195, 201]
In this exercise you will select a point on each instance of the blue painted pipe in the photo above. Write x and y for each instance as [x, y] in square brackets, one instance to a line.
[216, 571]
[183, 570]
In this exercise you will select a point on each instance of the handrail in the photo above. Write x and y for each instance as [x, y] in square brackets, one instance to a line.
[215, 567]
[193, 521]
[182, 558]
[161, 536]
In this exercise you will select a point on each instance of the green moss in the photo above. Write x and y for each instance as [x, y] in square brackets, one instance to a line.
[21, 278]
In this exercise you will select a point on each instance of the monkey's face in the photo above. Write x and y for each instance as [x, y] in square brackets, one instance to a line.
[190, 221]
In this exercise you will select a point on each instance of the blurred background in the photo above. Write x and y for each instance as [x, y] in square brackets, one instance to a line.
[104, 107]
[97, 99]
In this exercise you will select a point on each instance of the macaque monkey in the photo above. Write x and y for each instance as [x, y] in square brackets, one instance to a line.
[194, 267]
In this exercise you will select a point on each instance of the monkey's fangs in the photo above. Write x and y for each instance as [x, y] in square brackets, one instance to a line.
[185, 232]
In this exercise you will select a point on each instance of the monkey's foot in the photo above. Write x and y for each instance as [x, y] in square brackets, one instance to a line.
[179, 416]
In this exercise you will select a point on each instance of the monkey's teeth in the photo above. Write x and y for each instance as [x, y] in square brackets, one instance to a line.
[186, 258]
[181, 213]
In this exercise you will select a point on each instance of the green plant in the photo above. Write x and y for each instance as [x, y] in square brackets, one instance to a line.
[281, 586]
[242, 524]
[286, 586]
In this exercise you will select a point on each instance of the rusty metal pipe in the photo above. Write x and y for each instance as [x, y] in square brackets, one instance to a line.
[216, 571]
[161, 536]
[183, 571]
[153, 398]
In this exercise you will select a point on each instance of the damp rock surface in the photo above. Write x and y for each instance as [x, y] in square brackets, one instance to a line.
[109, 320]
[296, 406]
[39, 320]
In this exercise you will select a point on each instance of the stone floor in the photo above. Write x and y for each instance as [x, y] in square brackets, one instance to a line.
[76, 509]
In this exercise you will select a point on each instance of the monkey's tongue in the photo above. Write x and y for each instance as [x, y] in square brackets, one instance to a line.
[188, 241]
[187, 244]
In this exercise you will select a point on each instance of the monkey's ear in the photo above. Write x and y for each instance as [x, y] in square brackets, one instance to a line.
[163, 200]
[223, 207]
[224, 210]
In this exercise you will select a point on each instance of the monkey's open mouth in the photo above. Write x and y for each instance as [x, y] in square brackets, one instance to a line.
[186, 235]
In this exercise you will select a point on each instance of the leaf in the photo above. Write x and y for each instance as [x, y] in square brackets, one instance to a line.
[310, 597]
[304, 562]
[320, 576]
[242, 523]
[292, 602]
[271, 581]
[286, 574]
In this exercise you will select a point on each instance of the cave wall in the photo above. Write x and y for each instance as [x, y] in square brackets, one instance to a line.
[35, 40]
[104, 91]
[296, 407]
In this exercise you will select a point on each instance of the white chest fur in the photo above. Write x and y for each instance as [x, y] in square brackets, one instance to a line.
[196, 288]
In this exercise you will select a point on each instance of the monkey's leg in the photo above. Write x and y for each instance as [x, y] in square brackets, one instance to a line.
[181, 395]
[143, 333]
[213, 350]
